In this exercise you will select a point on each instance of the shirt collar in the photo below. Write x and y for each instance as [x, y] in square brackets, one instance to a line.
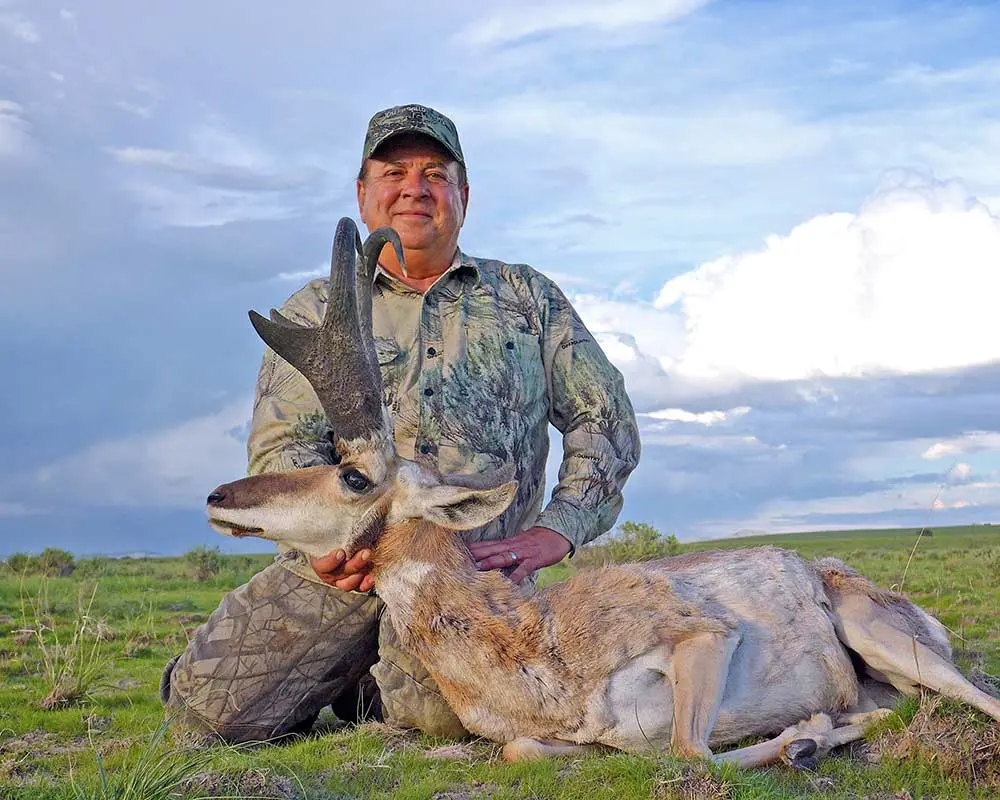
[461, 265]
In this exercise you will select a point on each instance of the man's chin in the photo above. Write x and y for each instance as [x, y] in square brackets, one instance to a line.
[415, 233]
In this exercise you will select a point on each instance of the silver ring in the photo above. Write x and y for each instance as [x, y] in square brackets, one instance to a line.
[513, 556]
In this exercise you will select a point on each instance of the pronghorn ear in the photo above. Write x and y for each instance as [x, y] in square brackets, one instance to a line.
[460, 509]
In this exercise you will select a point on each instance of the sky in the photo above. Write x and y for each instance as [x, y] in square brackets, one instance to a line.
[780, 219]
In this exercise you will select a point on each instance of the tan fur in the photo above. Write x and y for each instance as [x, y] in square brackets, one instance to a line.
[555, 649]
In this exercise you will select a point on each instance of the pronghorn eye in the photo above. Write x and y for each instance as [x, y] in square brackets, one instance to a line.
[355, 481]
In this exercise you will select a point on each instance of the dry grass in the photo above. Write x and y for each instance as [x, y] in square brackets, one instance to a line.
[954, 739]
[254, 783]
[694, 783]
[474, 791]
[72, 667]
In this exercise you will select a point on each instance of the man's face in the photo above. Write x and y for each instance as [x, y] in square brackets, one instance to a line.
[413, 186]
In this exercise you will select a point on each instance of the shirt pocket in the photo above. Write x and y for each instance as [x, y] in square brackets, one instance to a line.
[391, 363]
[520, 358]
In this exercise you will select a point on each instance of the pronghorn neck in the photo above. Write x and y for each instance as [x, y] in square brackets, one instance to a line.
[419, 541]
[424, 572]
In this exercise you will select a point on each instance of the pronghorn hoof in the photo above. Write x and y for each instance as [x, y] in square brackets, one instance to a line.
[523, 749]
[801, 754]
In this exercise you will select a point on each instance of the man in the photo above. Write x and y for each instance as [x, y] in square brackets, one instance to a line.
[477, 358]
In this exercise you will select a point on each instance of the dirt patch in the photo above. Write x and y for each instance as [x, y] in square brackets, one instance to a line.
[138, 645]
[96, 723]
[40, 743]
[253, 783]
[395, 738]
[16, 770]
[451, 752]
[694, 783]
[956, 741]
[105, 633]
[474, 791]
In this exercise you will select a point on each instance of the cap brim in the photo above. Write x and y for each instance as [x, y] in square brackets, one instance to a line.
[422, 131]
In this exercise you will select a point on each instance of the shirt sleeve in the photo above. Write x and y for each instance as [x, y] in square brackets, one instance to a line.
[288, 429]
[600, 437]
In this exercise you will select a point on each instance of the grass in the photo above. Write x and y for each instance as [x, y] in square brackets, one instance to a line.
[108, 742]
[72, 668]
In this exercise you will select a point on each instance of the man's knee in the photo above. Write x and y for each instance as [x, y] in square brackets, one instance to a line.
[269, 658]
[409, 696]
[200, 711]
[408, 702]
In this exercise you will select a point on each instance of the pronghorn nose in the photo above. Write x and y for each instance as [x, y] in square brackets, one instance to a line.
[216, 497]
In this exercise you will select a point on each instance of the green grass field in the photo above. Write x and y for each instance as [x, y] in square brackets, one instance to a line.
[110, 627]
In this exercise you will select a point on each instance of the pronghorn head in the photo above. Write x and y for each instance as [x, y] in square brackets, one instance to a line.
[347, 505]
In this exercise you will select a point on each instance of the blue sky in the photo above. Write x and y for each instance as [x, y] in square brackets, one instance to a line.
[781, 219]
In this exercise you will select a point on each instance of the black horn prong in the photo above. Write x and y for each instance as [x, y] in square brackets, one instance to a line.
[373, 249]
[292, 343]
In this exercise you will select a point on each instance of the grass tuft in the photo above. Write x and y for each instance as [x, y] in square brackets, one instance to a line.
[953, 739]
[72, 669]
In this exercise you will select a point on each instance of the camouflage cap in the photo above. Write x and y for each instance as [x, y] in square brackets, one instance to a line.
[412, 118]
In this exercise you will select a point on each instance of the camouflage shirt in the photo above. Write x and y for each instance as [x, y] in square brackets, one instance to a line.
[473, 372]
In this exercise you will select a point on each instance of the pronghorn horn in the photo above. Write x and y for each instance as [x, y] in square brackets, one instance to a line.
[338, 358]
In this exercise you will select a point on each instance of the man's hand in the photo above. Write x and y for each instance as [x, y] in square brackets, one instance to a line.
[348, 576]
[529, 550]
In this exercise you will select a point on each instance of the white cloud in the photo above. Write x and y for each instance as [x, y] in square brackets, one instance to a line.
[907, 285]
[925, 77]
[176, 467]
[512, 24]
[854, 510]
[19, 26]
[17, 510]
[218, 180]
[14, 139]
[840, 67]
[706, 418]
[959, 473]
[730, 443]
[304, 275]
[972, 442]
[739, 132]
[232, 175]
[143, 112]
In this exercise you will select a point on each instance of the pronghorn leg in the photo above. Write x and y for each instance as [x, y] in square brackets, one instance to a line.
[801, 745]
[863, 717]
[897, 654]
[699, 667]
[527, 749]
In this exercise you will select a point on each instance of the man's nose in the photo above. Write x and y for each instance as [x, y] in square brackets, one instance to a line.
[416, 184]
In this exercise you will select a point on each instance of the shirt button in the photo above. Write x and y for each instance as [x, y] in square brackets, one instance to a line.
[428, 392]
[425, 448]
[431, 352]
[510, 345]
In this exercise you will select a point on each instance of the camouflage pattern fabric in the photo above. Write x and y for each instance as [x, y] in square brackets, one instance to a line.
[474, 370]
[280, 648]
[411, 118]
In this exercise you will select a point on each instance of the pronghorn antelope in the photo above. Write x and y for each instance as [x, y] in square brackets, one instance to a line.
[682, 654]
